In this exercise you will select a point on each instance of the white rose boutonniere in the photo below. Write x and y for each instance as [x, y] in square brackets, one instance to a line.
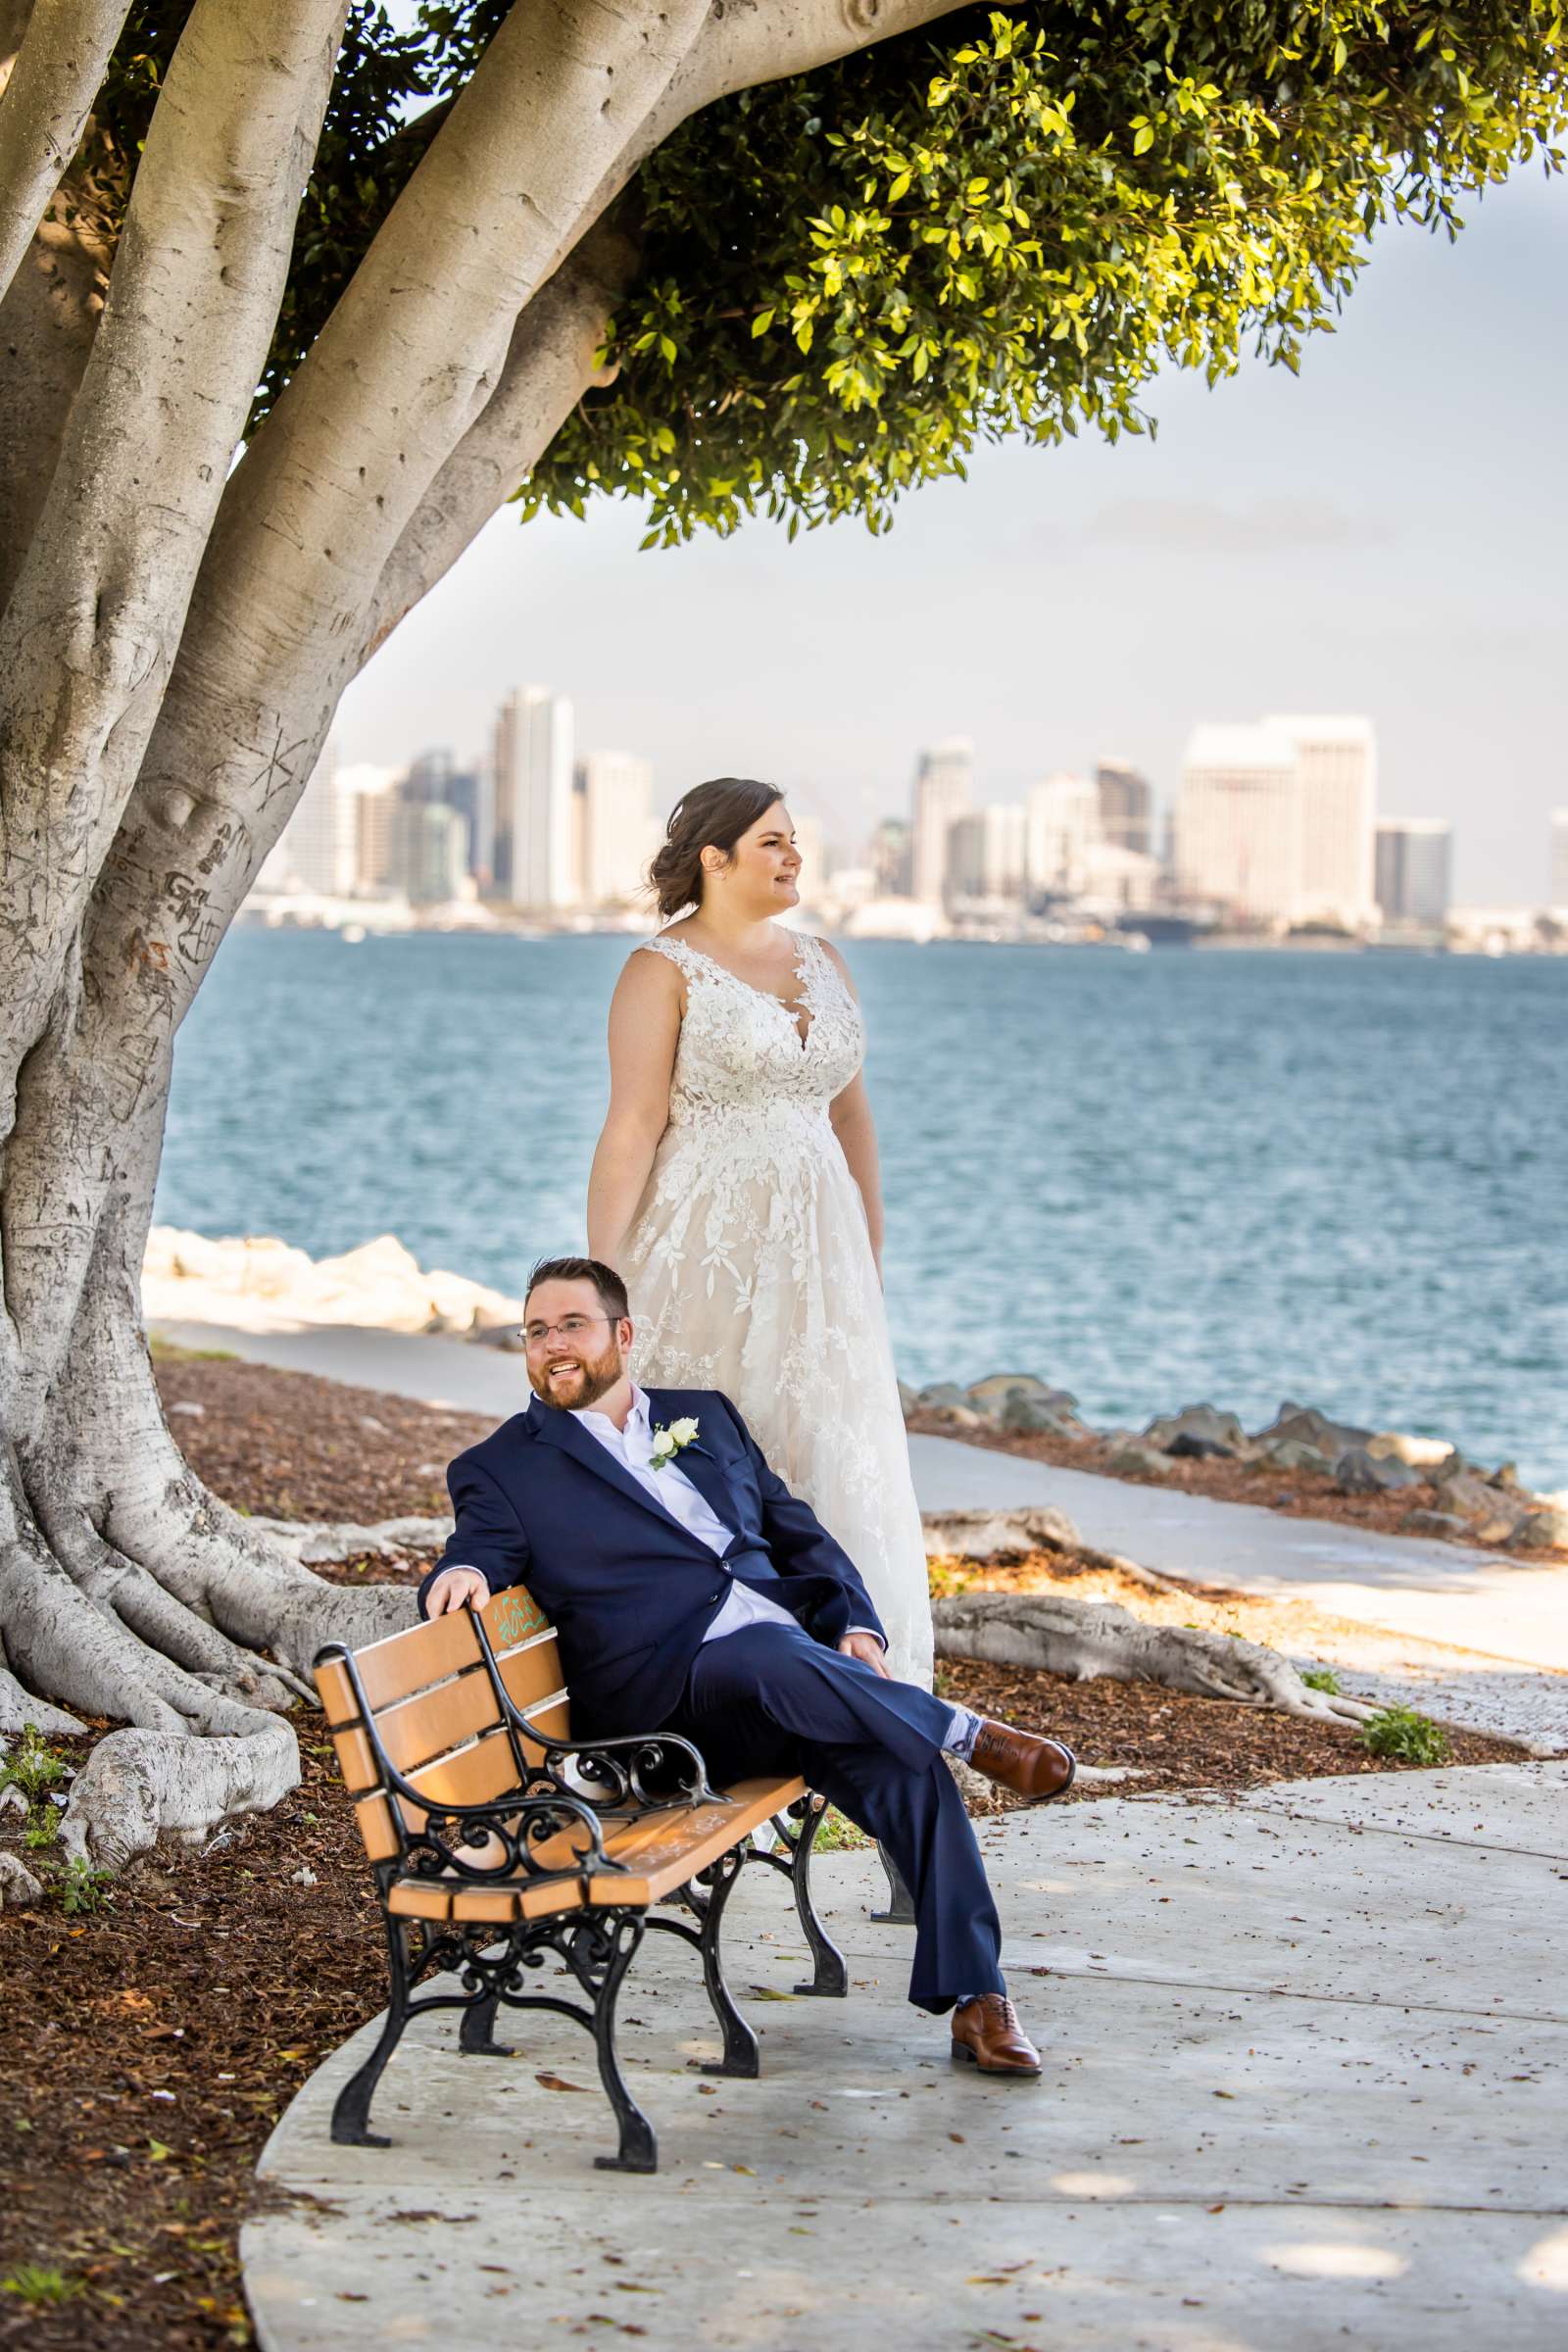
[667, 1443]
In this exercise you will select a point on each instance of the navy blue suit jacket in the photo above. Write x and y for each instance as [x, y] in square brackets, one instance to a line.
[631, 1591]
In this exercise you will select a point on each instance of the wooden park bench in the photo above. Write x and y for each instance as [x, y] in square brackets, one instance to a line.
[500, 1844]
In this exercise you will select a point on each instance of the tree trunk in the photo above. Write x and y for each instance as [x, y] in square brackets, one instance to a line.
[175, 632]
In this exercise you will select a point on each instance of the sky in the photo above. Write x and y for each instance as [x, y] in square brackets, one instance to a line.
[1384, 533]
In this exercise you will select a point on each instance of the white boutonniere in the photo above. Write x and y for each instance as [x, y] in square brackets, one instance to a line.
[667, 1443]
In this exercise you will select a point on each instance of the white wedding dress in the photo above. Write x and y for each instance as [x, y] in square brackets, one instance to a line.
[750, 1269]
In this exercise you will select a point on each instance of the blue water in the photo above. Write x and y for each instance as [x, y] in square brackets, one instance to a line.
[1151, 1179]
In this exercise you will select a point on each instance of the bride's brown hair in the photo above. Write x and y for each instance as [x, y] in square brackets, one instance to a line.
[711, 815]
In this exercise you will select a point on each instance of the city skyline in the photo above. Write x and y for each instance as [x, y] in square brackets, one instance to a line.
[1376, 535]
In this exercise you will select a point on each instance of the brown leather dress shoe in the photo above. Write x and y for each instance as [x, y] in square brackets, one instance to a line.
[986, 2034]
[1033, 1768]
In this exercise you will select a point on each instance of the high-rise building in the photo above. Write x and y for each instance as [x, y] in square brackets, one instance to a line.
[1558, 876]
[1238, 822]
[810, 844]
[986, 853]
[375, 867]
[535, 856]
[1337, 770]
[943, 788]
[316, 852]
[616, 819]
[889, 857]
[1126, 807]
[1061, 827]
[427, 844]
[436, 779]
[1414, 873]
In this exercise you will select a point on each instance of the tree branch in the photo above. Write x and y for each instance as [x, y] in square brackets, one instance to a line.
[58, 72]
[551, 362]
[547, 368]
[333, 491]
[91, 627]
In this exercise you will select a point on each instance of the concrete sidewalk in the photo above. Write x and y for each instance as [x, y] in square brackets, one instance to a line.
[1298, 2091]
[1473, 1599]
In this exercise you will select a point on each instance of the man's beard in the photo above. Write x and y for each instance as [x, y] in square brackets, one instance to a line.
[596, 1376]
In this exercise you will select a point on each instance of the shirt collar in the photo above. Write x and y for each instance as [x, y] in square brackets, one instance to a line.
[637, 1418]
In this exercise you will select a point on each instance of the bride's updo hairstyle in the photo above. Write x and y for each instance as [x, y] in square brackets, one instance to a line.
[710, 817]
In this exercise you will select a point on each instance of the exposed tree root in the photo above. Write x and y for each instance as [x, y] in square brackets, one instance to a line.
[1079, 1639]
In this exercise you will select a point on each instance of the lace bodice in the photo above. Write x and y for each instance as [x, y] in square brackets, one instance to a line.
[741, 1047]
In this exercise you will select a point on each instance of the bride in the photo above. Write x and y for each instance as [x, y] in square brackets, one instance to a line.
[735, 1189]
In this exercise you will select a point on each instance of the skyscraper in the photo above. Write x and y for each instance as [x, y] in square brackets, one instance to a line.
[944, 787]
[1238, 822]
[535, 822]
[316, 852]
[617, 824]
[986, 853]
[1336, 761]
[889, 857]
[1414, 859]
[1126, 807]
[1061, 827]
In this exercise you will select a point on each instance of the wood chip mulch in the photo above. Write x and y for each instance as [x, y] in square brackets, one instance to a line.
[1175, 1741]
[290, 1445]
[150, 2046]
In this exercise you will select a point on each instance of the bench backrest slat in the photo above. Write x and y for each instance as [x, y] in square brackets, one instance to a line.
[487, 1768]
[436, 1714]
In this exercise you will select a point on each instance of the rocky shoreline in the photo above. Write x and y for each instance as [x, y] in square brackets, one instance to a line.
[1410, 1485]
[1425, 1485]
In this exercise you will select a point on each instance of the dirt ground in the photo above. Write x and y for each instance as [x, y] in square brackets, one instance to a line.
[151, 2044]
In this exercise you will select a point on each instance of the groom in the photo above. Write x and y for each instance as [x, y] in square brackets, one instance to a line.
[692, 1593]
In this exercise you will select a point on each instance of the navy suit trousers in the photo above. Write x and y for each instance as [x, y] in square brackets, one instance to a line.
[768, 1699]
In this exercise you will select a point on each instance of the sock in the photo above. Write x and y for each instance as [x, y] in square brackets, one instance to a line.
[962, 1731]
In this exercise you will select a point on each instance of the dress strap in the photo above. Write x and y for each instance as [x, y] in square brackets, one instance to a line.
[684, 958]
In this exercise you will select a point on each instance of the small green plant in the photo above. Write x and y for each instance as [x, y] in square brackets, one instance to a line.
[34, 2283]
[82, 1888]
[43, 1828]
[1322, 1677]
[839, 1834]
[168, 1351]
[33, 1767]
[1405, 1736]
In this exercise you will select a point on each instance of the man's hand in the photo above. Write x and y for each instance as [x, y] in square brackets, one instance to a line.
[455, 1588]
[868, 1649]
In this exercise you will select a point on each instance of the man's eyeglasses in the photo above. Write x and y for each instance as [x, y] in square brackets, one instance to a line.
[571, 1328]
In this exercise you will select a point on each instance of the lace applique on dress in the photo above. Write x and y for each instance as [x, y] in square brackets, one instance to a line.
[749, 1267]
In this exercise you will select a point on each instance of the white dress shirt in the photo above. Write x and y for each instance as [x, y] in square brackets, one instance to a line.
[633, 1448]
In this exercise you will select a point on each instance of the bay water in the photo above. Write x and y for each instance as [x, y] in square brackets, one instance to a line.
[1151, 1179]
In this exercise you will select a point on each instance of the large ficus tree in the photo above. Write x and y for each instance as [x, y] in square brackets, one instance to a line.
[292, 299]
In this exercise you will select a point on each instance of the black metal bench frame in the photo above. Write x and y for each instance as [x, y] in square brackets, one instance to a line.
[596, 1943]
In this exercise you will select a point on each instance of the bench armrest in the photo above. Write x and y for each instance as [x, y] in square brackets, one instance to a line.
[515, 1824]
[642, 1751]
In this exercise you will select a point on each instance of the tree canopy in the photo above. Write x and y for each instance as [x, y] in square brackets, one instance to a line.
[1006, 222]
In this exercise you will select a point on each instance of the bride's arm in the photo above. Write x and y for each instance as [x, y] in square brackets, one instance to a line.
[856, 1129]
[643, 1031]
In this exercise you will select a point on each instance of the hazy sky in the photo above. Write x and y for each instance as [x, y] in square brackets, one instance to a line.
[1384, 533]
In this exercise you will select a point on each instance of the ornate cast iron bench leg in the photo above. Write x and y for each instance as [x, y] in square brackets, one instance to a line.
[599, 1959]
[829, 1975]
[351, 2110]
[742, 2056]
[900, 1912]
[477, 2035]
